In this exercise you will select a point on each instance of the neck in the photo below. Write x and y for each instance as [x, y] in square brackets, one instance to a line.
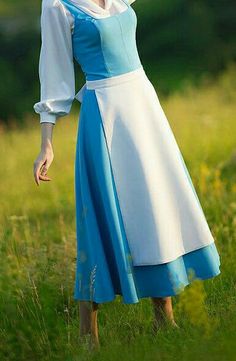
[101, 3]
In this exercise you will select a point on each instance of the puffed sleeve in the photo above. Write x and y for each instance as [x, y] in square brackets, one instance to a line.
[56, 66]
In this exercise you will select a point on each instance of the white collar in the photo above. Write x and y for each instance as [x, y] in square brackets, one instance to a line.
[93, 9]
[90, 5]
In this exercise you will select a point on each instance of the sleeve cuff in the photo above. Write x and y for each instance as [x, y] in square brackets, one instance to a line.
[46, 117]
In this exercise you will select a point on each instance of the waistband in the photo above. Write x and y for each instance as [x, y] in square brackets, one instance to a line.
[108, 82]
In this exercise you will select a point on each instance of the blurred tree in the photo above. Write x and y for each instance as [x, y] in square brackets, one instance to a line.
[181, 39]
[177, 40]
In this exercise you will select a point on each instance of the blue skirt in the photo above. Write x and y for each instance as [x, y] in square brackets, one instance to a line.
[104, 263]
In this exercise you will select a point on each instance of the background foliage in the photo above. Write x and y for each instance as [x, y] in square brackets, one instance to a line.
[38, 317]
[178, 40]
[188, 49]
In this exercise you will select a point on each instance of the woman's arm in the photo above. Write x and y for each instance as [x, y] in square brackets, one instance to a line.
[57, 81]
[56, 67]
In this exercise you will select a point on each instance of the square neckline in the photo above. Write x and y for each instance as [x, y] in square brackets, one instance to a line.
[102, 18]
[105, 2]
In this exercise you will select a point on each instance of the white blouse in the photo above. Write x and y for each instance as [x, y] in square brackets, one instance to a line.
[56, 66]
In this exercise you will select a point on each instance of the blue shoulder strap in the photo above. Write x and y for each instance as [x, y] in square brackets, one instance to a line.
[77, 12]
[74, 10]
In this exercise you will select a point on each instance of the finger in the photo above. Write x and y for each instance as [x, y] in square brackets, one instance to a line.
[44, 178]
[34, 171]
[45, 167]
[37, 171]
[44, 170]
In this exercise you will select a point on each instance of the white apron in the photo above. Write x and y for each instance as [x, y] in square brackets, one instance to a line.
[162, 216]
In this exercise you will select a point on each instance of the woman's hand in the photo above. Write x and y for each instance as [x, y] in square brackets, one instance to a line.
[42, 164]
[45, 157]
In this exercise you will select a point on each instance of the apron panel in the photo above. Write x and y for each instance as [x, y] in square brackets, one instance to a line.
[162, 215]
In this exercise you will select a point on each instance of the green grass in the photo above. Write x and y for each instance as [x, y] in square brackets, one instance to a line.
[38, 317]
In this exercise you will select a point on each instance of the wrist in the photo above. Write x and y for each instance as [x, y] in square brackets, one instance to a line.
[46, 145]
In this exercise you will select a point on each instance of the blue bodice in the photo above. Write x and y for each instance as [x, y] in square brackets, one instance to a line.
[104, 47]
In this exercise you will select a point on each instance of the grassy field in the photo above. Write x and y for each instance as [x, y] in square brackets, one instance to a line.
[38, 317]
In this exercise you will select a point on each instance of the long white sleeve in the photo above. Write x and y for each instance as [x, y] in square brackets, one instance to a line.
[56, 67]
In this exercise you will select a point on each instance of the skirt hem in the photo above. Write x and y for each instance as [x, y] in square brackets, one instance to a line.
[139, 297]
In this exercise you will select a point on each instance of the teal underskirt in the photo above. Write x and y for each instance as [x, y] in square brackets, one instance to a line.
[104, 264]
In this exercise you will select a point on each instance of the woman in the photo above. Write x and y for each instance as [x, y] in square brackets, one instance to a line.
[139, 223]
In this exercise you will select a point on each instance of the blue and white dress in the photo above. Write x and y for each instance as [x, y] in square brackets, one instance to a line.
[141, 230]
